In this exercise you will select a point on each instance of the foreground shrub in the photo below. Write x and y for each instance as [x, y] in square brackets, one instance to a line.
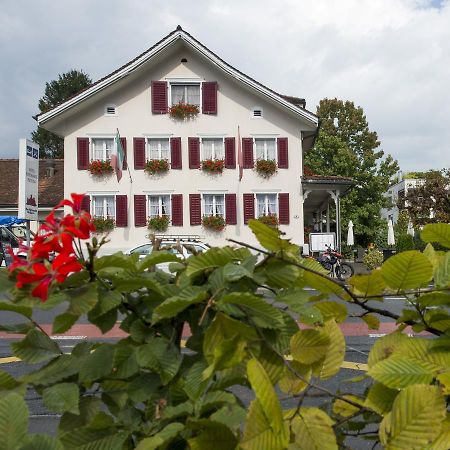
[373, 259]
[163, 387]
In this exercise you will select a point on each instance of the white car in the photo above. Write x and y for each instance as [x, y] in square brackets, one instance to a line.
[182, 247]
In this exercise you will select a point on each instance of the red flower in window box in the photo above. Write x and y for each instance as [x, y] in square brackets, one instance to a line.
[213, 165]
[214, 223]
[266, 167]
[98, 167]
[183, 111]
[158, 223]
[269, 219]
[155, 166]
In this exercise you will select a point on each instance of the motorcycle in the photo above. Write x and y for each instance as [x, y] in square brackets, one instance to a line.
[331, 260]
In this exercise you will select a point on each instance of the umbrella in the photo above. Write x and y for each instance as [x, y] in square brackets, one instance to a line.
[410, 229]
[390, 236]
[350, 238]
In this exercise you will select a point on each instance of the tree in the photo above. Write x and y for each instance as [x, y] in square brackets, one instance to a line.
[347, 147]
[56, 92]
[145, 391]
[430, 202]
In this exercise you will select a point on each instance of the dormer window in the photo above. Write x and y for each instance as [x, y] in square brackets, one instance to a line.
[110, 110]
[185, 93]
[257, 112]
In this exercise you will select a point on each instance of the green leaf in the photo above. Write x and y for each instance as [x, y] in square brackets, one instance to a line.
[214, 399]
[345, 409]
[166, 435]
[267, 397]
[234, 272]
[385, 347]
[214, 435]
[63, 322]
[442, 442]
[215, 257]
[281, 274]
[17, 328]
[230, 415]
[407, 270]
[267, 236]
[332, 310]
[143, 387]
[97, 364]
[62, 397]
[180, 410]
[156, 257]
[313, 430]
[261, 313]
[57, 370]
[401, 371]
[442, 272]
[35, 347]
[13, 421]
[7, 381]
[42, 442]
[416, 418]
[125, 362]
[436, 232]
[380, 398]
[373, 322]
[290, 383]
[174, 305]
[195, 384]
[434, 299]
[117, 259]
[82, 300]
[86, 439]
[368, 285]
[334, 355]
[273, 364]
[309, 346]
[22, 310]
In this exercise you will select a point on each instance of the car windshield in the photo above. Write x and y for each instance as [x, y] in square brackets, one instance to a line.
[193, 249]
[143, 249]
[21, 232]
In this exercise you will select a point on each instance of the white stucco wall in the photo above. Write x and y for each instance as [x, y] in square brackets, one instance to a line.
[132, 97]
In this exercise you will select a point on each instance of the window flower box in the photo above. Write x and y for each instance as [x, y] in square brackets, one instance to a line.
[156, 166]
[103, 224]
[214, 223]
[183, 111]
[213, 165]
[158, 223]
[270, 219]
[98, 167]
[266, 167]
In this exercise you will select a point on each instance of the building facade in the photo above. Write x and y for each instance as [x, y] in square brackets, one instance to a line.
[239, 123]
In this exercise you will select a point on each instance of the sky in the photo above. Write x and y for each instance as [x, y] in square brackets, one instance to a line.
[391, 57]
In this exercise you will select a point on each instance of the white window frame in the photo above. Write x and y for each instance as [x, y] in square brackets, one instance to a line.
[267, 138]
[185, 82]
[202, 158]
[214, 194]
[157, 138]
[266, 202]
[159, 194]
[91, 147]
[92, 204]
[111, 105]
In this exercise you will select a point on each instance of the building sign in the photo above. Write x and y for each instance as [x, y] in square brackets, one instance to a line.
[28, 179]
[319, 242]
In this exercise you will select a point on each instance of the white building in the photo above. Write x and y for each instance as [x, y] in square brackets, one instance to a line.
[235, 113]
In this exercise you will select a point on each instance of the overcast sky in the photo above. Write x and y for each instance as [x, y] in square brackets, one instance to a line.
[392, 57]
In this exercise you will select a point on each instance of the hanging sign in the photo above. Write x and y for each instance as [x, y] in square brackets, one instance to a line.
[28, 180]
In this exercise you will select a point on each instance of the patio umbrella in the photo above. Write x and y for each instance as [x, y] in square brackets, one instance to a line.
[390, 236]
[350, 237]
[410, 229]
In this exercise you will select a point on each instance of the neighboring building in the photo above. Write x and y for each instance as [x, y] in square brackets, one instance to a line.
[51, 186]
[235, 112]
[398, 191]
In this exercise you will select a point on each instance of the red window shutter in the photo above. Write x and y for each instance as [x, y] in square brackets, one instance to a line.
[247, 153]
[177, 210]
[195, 209]
[194, 152]
[82, 153]
[230, 153]
[140, 211]
[123, 141]
[209, 97]
[86, 203]
[121, 211]
[283, 209]
[159, 97]
[175, 153]
[283, 158]
[230, 209]
[139, 153]
[249, 207]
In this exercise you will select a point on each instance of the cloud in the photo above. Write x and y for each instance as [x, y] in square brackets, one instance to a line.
[392, 57]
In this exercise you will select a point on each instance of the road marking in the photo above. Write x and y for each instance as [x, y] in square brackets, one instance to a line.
[63, 337]
[8, 360]
[355, 366]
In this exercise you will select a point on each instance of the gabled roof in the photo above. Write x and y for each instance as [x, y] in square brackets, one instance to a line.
[294, 104]
[51, 188]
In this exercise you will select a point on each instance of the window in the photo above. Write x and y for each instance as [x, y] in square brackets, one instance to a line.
[101, 148]
[214, 205]
[103, 206]
[265, 149]
[185, 93]
[213, 149]
[159, 205]
[266, 204]
[158, 149]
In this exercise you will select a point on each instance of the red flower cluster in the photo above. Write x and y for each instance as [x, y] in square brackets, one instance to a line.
[183, 111]
[214, 223]
[99, 167]
[266, 167]
[213, 165]
[156, 166]
[270, 219]
[55, 237]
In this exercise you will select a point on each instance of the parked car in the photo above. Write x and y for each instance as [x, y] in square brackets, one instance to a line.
[181, 246]
[10, 236]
